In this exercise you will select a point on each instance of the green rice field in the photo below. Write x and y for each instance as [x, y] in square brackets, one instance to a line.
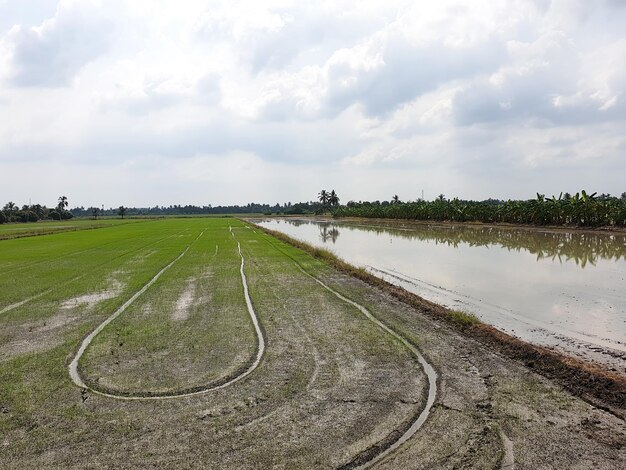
[207, 343]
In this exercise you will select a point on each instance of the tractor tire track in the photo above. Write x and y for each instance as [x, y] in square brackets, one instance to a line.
[426, 366]
[374, 455]
[78, 381]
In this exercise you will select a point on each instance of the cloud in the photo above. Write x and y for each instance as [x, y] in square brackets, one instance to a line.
[397, 72]
[228, 101]
[51, 53]
[549, 81]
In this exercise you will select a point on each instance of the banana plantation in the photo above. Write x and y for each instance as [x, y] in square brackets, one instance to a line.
[581, 209]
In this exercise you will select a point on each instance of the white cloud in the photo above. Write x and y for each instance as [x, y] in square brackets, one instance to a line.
[228, 101]
[51, 53]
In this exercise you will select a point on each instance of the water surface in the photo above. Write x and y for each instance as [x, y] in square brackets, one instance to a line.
[561, 289]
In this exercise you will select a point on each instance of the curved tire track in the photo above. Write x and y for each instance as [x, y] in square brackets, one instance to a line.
[77, 379]
[363, 460]
[428, 369]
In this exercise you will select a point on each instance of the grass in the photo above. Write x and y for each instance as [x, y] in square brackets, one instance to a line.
[465, 319]
[330, 385]
[47, 227]
[597, 384]
[148, 349]
[209, 335]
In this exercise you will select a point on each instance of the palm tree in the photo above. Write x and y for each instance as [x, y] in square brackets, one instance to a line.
[10, 206]
[333, 199]
[62, 203]
[323, 197]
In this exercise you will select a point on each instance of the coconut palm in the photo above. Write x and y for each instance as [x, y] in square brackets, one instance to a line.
[323, 197]
[10, 207]
[333, 199]
[62, 203]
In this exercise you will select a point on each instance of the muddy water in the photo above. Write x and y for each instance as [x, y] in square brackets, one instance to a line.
[555, 288]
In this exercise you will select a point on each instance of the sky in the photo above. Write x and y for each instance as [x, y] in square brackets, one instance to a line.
[151, 102]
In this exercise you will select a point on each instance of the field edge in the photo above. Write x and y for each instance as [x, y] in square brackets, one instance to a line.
[599, 387]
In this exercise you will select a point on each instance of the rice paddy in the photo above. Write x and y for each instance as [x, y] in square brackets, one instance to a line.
[261, 356]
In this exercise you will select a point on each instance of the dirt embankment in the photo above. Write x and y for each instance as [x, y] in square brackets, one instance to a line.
[603, 388]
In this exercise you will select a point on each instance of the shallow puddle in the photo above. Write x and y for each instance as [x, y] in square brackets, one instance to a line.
[552, 287]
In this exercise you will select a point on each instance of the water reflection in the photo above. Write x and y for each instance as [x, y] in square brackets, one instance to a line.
[546, 286]
[582, 248]
[329, 233]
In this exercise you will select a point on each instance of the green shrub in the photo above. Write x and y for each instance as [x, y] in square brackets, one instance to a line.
[464, 319]
[27, 216]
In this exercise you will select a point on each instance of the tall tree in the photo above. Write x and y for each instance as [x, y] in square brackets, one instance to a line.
[395, 199]
[323, 197]
[10, 207]
[62, 203]
[121, 211]
[333, 199]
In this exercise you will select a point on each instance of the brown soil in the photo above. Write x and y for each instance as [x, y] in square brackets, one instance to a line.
[602, 387]
[331, 387]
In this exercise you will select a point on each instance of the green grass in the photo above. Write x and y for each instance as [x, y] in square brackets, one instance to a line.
[147, 349]
[209, 339]
[464, 319]
[10, 231]
[330, 385]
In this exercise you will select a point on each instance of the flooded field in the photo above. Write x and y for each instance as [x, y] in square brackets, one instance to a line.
[565, 290]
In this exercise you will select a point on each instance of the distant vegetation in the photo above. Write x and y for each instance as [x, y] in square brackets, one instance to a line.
[35, 212]
[11, 212]
[252, 208]
[581, 210]
[328, 200]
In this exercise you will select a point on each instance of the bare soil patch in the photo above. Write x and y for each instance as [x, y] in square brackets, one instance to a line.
[185, 301]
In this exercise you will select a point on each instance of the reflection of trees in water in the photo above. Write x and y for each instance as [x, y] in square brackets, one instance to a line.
[582, 248]
[297, 222]
[328, 232]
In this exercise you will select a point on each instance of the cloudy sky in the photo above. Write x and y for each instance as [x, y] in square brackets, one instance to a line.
[172, 102]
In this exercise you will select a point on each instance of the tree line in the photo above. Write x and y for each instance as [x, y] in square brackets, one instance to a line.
[32, 213]
[286, 208]
[11, 212]
[581, 209]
